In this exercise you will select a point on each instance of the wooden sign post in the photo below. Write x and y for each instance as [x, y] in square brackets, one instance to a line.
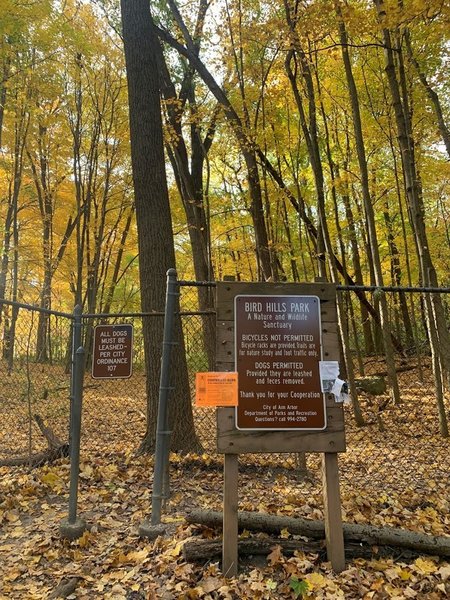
[274, 335]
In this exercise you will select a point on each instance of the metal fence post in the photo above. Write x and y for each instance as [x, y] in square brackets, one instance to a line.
[73, 527]
[76, 343]
[160, 476]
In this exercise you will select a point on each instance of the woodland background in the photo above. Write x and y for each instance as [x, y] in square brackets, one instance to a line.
[302, 140]
[68, 223]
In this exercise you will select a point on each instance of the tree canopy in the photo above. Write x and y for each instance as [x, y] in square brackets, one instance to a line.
[261, 144]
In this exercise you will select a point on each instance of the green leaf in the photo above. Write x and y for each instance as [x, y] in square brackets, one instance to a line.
[298, 586]
[271, 585]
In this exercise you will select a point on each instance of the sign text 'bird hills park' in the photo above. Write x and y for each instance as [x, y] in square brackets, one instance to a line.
[278, 349]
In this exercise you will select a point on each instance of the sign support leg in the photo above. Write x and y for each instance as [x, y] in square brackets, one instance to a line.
[230, 516]
[334, 534]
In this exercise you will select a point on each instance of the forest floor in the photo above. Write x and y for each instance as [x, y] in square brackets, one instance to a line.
[110, 561]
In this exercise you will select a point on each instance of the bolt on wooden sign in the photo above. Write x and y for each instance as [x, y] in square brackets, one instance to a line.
[112, 352]
[277, 354]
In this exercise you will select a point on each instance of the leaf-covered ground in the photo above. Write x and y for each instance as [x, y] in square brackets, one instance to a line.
[110, 561]
[397, 477]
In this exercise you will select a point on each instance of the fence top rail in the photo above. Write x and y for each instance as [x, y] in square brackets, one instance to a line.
[131, 315]
[159, 313]
[34, 308]
[184, 283]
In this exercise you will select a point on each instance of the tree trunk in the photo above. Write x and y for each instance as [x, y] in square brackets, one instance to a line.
[396, 277]
[343, 320]
[188, 171]
[365, 318]
[6, 247]
[230, 113]
[432, 95]
[437, 328]
[247, 147]
[209, 550]
[155, 237]
[368, 209]
[21, 130]
[117, 264]
[311, 135]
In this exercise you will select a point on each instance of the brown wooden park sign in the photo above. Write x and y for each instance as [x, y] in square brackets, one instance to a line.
[112, 351]
[274, 336]
[277, 353]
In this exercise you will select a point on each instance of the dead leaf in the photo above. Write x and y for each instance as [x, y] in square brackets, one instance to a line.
[137, 556]
[315, 580]
[444, 572]
[210, 584]
[275, 556]
[425, 566]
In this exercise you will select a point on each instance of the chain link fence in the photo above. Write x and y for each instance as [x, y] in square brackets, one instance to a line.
[399, 448]
[33, 385]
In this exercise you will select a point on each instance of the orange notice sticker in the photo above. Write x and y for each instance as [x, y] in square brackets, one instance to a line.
[216, 389]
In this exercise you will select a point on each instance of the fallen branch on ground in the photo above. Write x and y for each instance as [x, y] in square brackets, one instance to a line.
[65, 588]
[56, 449]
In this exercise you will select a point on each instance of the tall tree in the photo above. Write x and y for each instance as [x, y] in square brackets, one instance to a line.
[368, 207]
[188, 148]
[247, 148]
[437, 329]
[155, 238]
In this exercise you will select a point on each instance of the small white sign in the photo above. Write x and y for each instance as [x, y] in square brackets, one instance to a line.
[337, 389]
[329, 370]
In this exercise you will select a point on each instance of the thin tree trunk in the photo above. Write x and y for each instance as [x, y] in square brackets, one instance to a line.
[238, 129]
[247, 147]
[20, 137]
[7, 235]
[438, 334]
[396, 275]
[343, 320]
[368, 210]
[118, 262]
[431, 93]
[365, 318]
[3, 84]
[412, 309]
[188, 171]
[287, 228]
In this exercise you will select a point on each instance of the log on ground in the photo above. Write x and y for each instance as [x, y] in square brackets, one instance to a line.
[199, 551]
[368, 534]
